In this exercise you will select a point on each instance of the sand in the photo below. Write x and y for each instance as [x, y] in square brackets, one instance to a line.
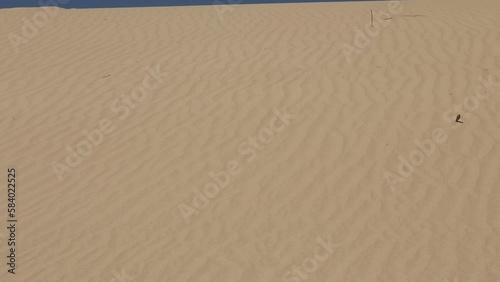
[330, 165]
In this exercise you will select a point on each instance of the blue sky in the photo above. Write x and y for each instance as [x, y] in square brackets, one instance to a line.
[137, 3]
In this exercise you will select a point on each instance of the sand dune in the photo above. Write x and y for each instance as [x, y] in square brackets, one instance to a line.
[175, 97]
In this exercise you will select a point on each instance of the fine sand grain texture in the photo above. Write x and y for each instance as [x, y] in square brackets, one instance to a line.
[308, 198]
